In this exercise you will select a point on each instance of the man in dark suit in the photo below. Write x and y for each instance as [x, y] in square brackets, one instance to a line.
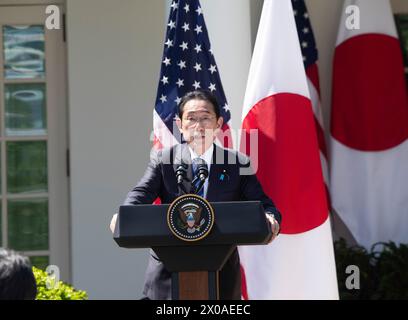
[229, 180]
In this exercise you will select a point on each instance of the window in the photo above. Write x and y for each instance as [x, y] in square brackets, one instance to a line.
[33, 176]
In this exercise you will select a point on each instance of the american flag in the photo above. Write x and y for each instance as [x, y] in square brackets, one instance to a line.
[310, 57]
[188, 64]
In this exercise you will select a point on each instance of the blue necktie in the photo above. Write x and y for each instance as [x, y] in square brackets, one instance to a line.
[196, 179]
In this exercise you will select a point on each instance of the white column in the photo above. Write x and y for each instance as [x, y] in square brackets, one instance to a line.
[230, 24]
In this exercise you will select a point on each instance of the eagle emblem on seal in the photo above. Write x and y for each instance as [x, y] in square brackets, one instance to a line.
[190, 215]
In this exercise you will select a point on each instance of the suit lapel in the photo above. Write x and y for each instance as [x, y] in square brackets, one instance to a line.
[217, 167]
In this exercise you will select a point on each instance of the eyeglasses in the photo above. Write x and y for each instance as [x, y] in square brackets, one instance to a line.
[205, 121]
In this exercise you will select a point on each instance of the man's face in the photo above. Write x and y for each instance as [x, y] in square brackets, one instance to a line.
[199, 124]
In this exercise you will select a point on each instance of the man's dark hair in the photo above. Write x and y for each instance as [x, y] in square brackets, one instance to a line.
[17, 281]
[199, 95]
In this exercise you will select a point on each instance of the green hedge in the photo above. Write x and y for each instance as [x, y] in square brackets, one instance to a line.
[383, 270]
[60, 291]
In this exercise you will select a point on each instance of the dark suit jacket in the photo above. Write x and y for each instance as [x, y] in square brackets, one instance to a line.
[159, 180]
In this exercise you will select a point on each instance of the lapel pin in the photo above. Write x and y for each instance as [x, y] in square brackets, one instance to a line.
[224, 175]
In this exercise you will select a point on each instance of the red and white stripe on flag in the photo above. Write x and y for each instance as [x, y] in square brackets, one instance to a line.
[299, 264]
[369, 127]
[310, 58]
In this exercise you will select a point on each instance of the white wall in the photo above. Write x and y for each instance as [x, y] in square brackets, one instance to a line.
[114, 54]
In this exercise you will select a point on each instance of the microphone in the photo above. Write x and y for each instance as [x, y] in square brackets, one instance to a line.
[202, 168]
[181, 173]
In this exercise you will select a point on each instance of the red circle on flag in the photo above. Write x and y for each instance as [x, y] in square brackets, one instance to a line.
[369, 109]
[288, 163]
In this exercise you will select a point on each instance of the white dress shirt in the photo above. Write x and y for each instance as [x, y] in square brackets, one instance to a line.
[207, 157]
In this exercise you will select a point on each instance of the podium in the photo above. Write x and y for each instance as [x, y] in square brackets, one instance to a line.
[194, 265]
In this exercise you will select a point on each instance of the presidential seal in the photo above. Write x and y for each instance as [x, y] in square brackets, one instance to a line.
[190, 217]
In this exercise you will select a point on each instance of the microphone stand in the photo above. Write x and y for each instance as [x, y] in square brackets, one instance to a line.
[181, 174]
